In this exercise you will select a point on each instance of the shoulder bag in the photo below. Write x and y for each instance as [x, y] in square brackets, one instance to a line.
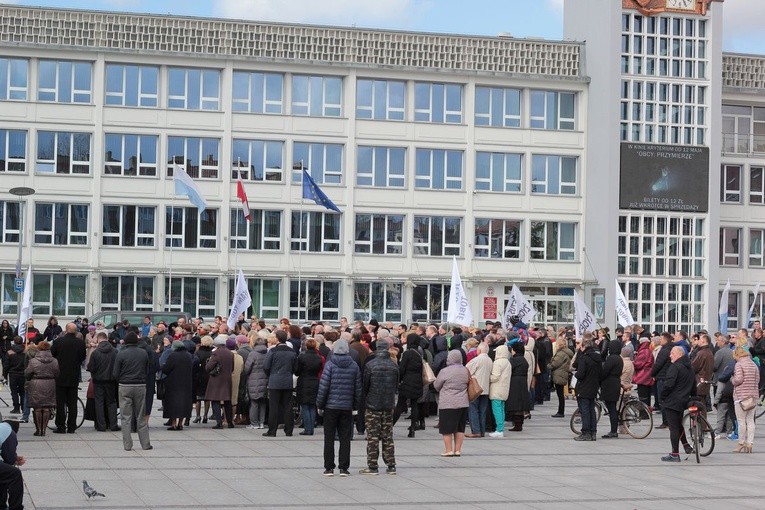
[474, 387]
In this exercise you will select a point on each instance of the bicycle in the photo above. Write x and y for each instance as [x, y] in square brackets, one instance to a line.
[634, 416]
[701, 434]
[80, 415]
[760, 409]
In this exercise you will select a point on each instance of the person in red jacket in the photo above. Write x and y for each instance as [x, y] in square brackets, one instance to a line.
[643, 366]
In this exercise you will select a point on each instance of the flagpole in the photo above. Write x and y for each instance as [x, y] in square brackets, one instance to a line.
[247, 222]
[300, 245]
[172, 242]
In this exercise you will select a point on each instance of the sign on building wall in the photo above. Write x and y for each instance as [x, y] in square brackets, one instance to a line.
[664, 178]
[490, 308]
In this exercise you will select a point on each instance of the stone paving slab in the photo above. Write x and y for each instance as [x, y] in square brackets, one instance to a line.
[540, 468]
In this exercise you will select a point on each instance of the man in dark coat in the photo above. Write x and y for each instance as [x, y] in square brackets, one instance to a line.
[611, 385]
[70, 353]
[544, 354]
[588, 369]
[410, 377]
[678, 386]
[379, 391]
[659, 371]
[101, 367]
[279, 366]
[703, 367]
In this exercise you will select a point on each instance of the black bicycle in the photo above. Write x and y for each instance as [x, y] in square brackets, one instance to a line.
[634, 416]
[697, 428]
[80, 415]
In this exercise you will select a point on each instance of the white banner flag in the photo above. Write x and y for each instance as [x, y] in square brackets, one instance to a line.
[459, 305]
[26, 306]
[520, 306]
[754, 303]
[242, 301]
[583, 317]
[623, 314]
[723, 310]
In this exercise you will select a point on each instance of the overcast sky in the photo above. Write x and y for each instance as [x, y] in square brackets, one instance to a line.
[521, 18]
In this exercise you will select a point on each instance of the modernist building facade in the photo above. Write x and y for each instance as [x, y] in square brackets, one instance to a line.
[488, 149]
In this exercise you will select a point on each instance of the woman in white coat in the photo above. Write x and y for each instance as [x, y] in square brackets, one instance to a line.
[499, 388]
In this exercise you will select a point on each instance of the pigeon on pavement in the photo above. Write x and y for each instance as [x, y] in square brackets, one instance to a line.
[89, 491]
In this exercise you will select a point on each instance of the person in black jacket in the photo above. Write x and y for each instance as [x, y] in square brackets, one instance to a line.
[379, 380]
[7, 334]
[678, 386]
[410, 376]
[659, 371]
[15, 374]
[308, 367]
[279, 366]
[588, 369]
[70, 353]
[544, 354]
[130, 368]
[53, 330]
[611, 386]
[101, 367]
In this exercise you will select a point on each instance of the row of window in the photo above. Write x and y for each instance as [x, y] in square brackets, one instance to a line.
[68, 153]
[733, 189]
[381, 234]
[743, 129]
[264, 92]
[731, 241]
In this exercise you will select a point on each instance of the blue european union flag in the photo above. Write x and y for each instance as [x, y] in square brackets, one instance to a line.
[312, 191]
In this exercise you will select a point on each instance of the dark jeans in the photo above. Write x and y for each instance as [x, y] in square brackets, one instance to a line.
[227, 408]
[401, 408]
[477, 414]
[338, 421]
[105, 394]
[12, 482]
[613, 416]
[308, 411]
[16, 383]
[280, 406]
[561, 398]
[589, 418]
[676, 431]
[66, 408]
[644, 394]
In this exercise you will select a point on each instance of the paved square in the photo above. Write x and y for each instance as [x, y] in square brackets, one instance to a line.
[539, 468]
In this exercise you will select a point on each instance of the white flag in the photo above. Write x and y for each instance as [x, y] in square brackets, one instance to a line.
[583, 317]
[185, 185]
[754, 303]
[723, 310]
[242, 300]
[26, 307]
[459, 306]
[623, 314]
[520, 306]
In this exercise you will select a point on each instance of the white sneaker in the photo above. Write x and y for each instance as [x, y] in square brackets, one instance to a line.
[252, 427]
[497, 434]
[261, 426]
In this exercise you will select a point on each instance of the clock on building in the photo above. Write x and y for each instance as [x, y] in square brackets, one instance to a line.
[682, 5]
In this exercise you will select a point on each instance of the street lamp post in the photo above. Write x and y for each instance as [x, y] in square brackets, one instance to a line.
[21, 192]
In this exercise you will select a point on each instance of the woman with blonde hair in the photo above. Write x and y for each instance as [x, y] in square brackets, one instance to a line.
[745, 380]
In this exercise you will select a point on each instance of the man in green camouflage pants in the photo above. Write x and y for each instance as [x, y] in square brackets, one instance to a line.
[380, 380]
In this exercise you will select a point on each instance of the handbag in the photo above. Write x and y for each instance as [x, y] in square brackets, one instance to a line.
[428, 377]
[474, 387]
[748, 404]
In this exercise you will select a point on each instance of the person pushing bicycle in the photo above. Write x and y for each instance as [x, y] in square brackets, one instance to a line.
[679, 383]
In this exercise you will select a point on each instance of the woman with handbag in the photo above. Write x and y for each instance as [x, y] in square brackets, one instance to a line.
[746, 379]
[452, 387]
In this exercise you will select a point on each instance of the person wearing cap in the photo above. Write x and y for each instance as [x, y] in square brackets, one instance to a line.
[338, 397]
[176, 406]
[279, 366]
[379, 390]
[11, 480]
[131, 366]
[220, 367]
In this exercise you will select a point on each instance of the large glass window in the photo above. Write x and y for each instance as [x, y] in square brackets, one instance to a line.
[730, 185]
[381, 167]
[553, 110]
[737, 129]
[257, 160]
[13, 150]
[380, 234]
[198, 155]
[195, 296]
[430, 302]
[317, 232]
[552, 240]
[129, 225]
[265, 297]
[10, 222]
[438, 169]
[756, 185]
[265, 230]
[64, 82]
[323, 161]
[61, 224]
[130, 155]
[756, 253]
[733, 300]
[317, 96]
[14, 75]
[497, 171]
[497, 107]
[132, 85]
[497, 239]
[730, 246]
[438, 103]
[127, 293]
[380, 99]
[58, 294]
[186, 228]
[258, 92]
[316, 300]
[553, 175]
[554, 305]
[193, 89]
[667, 306]
[63, 152]
[381, 301]
[8, 295]
[437, 236]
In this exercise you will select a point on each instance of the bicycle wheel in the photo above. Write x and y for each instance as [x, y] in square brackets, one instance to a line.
[80, 412]
[760, 409]
[705, 436]
[694, 429]
[637, 419]
[576, 422]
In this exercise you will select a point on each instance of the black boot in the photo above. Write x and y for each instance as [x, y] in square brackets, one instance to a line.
[411, 432]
